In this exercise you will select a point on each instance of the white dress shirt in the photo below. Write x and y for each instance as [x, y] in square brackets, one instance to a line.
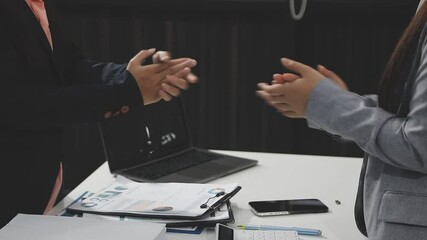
[420, 4]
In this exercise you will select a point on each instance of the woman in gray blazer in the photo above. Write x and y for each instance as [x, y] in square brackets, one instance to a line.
[390, 127]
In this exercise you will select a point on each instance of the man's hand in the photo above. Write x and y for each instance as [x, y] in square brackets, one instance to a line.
[160, 80]
[165, 56]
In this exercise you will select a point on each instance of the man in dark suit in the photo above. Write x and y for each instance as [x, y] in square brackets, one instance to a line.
[45, 84]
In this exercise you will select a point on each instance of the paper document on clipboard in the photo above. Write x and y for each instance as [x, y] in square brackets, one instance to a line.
[159, 200]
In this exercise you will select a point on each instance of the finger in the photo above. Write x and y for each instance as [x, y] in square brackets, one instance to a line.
[286, 77]
[141, 56]
[271, 100]
[265, 96]
[162, 66]
[290, 114]
[163, 95]
[184, 72]
[162, 56]
[167, 66]
[332, 76]
[173, 80]
[275, 89]
[278, 99]
[326, 72]
[283, 107]
[180, 66]
[289, 77]
[182, 78]
[191, 78]
[171, 90]
[295, 66]
[265, 87]
[277, 79]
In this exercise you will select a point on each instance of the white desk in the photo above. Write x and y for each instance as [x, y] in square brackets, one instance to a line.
[277, 176]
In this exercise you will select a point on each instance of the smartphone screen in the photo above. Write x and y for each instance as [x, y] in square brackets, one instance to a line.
[284, 207]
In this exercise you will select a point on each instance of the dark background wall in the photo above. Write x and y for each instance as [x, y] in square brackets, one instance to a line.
[237, 44]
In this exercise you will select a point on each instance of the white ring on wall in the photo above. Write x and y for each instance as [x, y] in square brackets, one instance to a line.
[297, 16]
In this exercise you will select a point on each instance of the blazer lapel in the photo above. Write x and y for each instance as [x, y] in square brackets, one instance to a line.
[32, 24]
[36, 27]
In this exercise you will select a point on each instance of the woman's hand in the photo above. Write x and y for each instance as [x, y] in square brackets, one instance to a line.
[289, 77]
[332, 76]
[289, 93]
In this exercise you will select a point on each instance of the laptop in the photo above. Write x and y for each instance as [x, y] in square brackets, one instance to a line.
[154, 145]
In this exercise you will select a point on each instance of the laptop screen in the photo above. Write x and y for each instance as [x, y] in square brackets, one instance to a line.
[146, 135]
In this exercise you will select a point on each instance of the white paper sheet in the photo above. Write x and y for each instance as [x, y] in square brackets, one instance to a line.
[44, 227]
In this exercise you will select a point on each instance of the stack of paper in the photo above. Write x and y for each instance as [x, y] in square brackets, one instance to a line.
[43, 227]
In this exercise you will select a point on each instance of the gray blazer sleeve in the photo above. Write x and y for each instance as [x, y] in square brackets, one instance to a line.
[401, 142]
[370, 100]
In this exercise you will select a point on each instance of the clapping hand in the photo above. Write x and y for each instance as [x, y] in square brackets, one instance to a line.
[163, 79]
[289, 92]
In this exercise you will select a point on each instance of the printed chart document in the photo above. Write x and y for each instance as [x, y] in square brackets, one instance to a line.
[158, 200]
[44, 227]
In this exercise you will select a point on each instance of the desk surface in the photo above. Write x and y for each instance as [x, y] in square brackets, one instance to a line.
[277, 176]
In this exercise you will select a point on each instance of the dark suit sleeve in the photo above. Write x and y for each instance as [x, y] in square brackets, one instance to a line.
[29, 103]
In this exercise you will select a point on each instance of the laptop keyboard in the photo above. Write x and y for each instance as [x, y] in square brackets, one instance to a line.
[173, 164]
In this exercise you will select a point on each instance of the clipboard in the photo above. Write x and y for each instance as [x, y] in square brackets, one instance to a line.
[83, 204]
[208, 221]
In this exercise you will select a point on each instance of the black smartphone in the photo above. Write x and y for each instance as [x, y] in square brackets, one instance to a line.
[285, 207]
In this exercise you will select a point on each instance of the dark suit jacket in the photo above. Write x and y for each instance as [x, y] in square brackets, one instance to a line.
[41, 91]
